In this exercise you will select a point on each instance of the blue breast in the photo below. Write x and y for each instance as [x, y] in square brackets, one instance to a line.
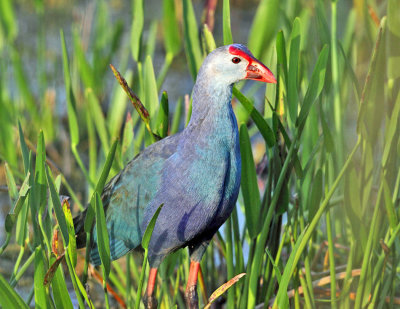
[199, 187]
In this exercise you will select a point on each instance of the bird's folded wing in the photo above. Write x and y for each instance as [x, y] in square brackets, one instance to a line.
[127, 195]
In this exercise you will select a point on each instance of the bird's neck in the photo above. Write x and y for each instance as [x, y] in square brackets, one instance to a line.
[211, 101]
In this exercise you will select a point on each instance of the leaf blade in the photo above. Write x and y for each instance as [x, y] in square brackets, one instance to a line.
[8, 297]
[150, 227]
[103, 242]
[57, 207]
[249, 185]
[315, 87]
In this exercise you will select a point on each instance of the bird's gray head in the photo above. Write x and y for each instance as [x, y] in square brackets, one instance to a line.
[232, 63]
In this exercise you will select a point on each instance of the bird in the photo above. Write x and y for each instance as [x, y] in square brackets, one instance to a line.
[195, 174]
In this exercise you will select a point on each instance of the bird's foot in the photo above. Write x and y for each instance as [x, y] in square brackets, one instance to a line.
[150, 302]
[192, 301]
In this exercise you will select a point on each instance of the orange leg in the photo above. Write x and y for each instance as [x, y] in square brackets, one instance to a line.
[149, 300]
[192, 301]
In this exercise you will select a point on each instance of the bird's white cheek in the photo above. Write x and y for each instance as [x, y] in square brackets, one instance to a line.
[241, 75]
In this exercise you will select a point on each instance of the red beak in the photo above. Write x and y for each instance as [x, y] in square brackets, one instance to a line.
[255, 69]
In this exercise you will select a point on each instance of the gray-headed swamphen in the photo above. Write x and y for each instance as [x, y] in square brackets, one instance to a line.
[195, 174]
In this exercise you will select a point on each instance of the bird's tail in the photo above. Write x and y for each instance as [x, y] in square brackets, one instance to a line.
[79, 225]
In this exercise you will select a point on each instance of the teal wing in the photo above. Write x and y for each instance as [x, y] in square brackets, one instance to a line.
[127, 195]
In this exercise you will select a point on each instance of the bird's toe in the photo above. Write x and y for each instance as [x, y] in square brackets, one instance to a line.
[150, 302]
[192, 301]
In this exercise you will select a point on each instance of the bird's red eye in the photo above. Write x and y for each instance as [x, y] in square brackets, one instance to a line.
[236, 60]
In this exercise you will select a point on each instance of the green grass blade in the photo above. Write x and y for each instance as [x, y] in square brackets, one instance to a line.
[98, 119]
[71, 105]
[138, 142]
[141, 280]
[281, 300]
[61, 296]
[40, 175]
[351, 71]
[229, 260]
[392, 129]
[24, 148]
[226, 23]
[137, 29]
[150, 228]
[264, 26]
[322, 23]
[78, 286]
[314, 198]
[169, 57]
[7, 146]
[329, 232]
[8, 297]
[12, 187]
[151, 39]
[57, 207]
[8, 19]
[191, 39]
[371, 76]
[328, 138]
[24, 90]
[21, 225]
[281, 54]
[102, 236]
[337, 110]
[92, 145]
[12, 217]
[162, 118]
[127, 149]
[293, 99]
[85, 69]
[393, 39]
[71, 231]
[100, 186]
[41, 293]
[315, 87]
[142, 111]
[209, 39]
[390, 207]
[172, 39]
[22, 270]
[177, 116]
[18, 202]
[116, 111]
[249, 185]
[145, 244]
[150, 88]
[261, 124]
[33, 201]
[40, 189]
[275, 266]
[296, 161]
